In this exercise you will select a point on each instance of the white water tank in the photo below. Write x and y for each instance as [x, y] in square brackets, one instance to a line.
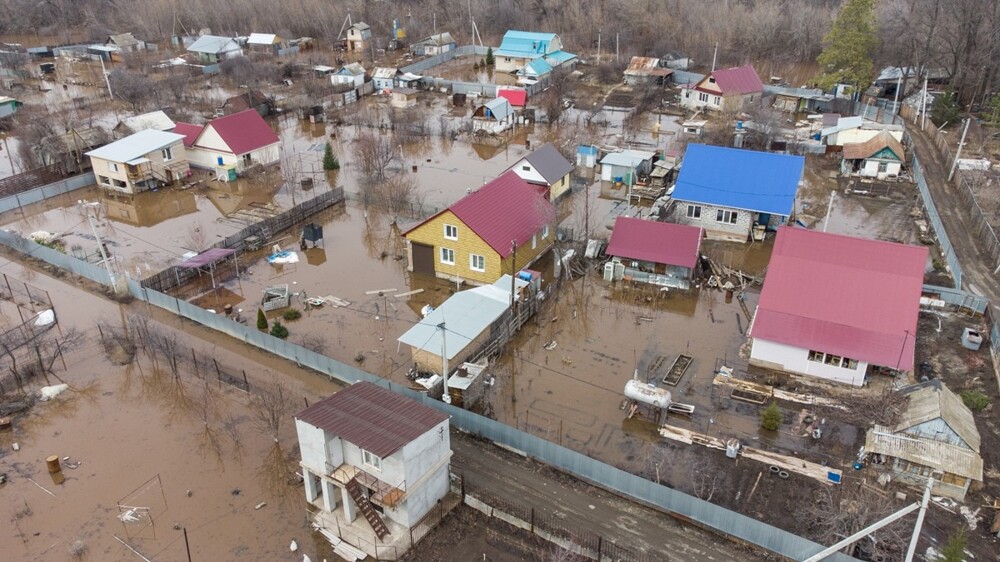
[647, 393]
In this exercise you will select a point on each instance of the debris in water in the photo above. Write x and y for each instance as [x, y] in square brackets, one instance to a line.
[236, 491]
[294, 546]
[550, 346]
[260, 505]
[47, 393]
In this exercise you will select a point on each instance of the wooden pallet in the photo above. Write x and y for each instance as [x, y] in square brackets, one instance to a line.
[677, 369]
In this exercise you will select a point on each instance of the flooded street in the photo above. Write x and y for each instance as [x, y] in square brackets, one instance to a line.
[180, 454]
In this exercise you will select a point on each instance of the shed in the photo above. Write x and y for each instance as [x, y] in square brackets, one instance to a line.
[655, 252]
[403, 98]
[494, 116]
[384, 78]
[518, 97]
[646, 71]
[586, 155]
[626, 166]
[881, 157]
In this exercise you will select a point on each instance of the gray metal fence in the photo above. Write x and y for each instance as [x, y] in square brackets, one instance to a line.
[964, 300]
[420, 66]
[932, 213]
[44, 192]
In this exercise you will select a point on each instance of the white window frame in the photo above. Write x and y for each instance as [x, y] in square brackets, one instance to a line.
[534, 241]
[113, 166]
[452, 228]
[717, 100]
[450, 254]
[703, 97]
[545, 232]
[371, 459]
[694, 212]
[726, 216]
[481, 266]
[167, 154]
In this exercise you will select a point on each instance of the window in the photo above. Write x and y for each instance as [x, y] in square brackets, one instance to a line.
[702, 96]
[113, 166]
[451, 232]
[104, 180]
[694, 211]
[545, 232]
[534, 241]
[833, 360]
[717, 100]
[526, 168]
[726, 216]
[851, 364]
[883, 167]
[371, 459]
[816, 356]
[477, 262]
[167, 154]
[953, 479]
[448, 256]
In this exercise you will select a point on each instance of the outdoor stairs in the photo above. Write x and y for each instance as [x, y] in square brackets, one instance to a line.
[354, 488]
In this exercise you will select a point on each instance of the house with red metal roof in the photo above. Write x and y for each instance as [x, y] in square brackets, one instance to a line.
[728, 88]
[231, 144]
[368, 449]
[658, 253]
[504, 226]
[837, 307]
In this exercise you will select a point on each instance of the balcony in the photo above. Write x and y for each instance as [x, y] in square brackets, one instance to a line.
[383, 494]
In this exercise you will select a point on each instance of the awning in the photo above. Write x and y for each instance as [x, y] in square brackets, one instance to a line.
[138, 161]
[207, 257]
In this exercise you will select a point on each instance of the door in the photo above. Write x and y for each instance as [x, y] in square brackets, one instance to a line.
[423, 258]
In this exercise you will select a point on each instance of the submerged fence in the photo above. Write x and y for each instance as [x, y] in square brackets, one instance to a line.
[683, 506]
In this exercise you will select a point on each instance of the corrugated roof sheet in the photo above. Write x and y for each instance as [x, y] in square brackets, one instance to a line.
[518, 97]
[646, 66]
[189, 131]
[657, 242]
[153, 120]
[844, 124]
[209, 256]
[846, 296]
[525, 43]
[884, 139]
[262, 39]
[374, 418]
[931, 400]
[538, 67]
[944, 457]
[353, 69]
[739, 80]
[500, 108]
[627, 158]
[439, 40]
[762, 182]
[508, 208]
[556, 58]
[466, 314]
[213, 44]
[135, 146]
[382, 72]
[244, 132]
[123, 40]
[549, 163]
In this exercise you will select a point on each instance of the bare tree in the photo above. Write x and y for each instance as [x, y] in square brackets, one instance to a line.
[374, 151]
[133, 87]
[845, 510]
[270, 405]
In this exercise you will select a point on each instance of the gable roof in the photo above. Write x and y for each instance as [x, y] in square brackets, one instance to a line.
[213, 44]
[538, 66]
[384, 72]
[360, 26]
[466, 315]
[657, 242]
[249, 99]
[352, 69]
[739, 80]
[547, 160]
[846, 296]
[153, 120]
[244, 132]
[940, 456]
[518, 97]
[507, 208]
[439, 39]
[525, 44]
[373, 418]
[646, 66]
[932, 400]
[762, 182]
[135, 146]
[500, 108]
[122, 40]
[189, 131]
[844, 124]
[872, 146]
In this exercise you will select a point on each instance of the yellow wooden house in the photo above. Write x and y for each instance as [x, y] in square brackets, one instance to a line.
[503, 227]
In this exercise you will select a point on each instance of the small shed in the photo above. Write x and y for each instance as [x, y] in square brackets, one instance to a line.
[409, 80]
[518, 97]
[646, 71]
[657, 253]
[352, 74]
[586, 155]
[264, 43]
[384, 78]
[494, 116]
[125, 42]
[880, 157]
[433, 45]
[403, 98]
[626, 166]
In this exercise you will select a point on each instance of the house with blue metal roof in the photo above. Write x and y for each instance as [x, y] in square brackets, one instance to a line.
[519, 48]
[731, 192]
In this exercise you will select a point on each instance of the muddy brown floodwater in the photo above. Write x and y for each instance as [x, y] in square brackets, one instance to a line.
[186, 454]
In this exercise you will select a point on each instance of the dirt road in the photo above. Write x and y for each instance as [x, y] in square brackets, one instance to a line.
[977, 267]
[586, 507]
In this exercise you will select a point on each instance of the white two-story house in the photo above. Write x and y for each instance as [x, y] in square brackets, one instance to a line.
[369, 449]
[139, 162]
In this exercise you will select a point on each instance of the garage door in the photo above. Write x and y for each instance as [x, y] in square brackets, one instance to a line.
[423, 258]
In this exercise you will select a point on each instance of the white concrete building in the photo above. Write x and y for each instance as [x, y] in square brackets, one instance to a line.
[369, 449]
[139, 162]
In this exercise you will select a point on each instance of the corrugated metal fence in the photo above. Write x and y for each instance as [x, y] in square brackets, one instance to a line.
[44, 192]
[935, 218]
[681, 505]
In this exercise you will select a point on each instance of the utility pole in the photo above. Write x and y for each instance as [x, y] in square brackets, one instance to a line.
[923, 111]
[895, 99]
[958, 153]
[100, 245]
[513, 271]
[715, 54]
[829, 208]
[445, 396]
[920, 520]
[106, 79]
[618, 59]
[598, 46]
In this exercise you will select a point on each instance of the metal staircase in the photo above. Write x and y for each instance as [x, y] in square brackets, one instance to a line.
[374, 519]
